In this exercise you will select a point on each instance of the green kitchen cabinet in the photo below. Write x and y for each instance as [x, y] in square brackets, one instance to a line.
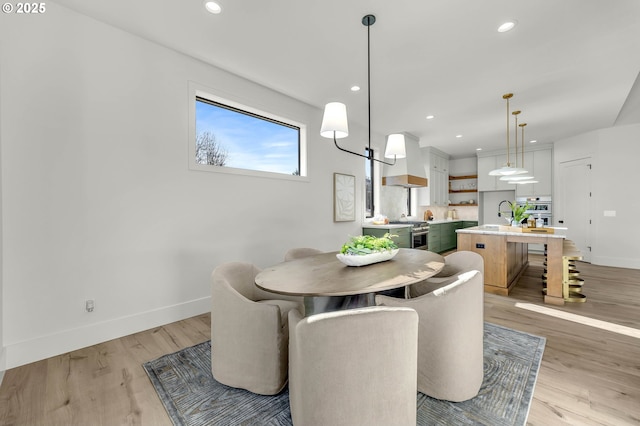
[434, 240]
[443, 236]
[449, 236]
[469, 223]
[403, 239]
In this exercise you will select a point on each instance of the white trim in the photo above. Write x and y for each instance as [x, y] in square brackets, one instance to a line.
[3, 353]
[199, 90]
[617, 262]
[43, 347]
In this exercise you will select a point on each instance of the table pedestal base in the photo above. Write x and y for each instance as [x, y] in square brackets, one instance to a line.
[318, 304]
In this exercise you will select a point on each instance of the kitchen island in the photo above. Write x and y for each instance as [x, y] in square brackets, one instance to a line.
[505, 253]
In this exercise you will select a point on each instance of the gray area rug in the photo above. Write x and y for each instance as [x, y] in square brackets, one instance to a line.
[193, 397]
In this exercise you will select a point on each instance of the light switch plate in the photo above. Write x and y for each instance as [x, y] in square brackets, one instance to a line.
[610, 213]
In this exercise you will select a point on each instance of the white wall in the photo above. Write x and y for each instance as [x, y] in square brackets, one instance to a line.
[2, 349]
[614, 179]
[489, 202]
[463, 166]
[97, 198]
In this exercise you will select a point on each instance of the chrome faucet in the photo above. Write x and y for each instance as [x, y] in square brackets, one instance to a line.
[500, 212]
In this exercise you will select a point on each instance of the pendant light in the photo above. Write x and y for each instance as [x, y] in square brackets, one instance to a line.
[522, 180]
[334, 120]
[507, 170]
[519, 170]
[522, 173]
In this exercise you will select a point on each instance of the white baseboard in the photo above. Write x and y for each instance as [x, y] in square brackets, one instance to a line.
[616, 262]
[2, 363]
[43, 347]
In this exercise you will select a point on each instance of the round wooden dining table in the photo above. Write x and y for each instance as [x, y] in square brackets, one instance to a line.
[327, 284]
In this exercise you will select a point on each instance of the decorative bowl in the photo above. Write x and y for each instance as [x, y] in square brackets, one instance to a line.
[366, 259]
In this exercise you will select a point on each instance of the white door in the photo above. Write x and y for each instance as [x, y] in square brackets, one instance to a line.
[573, 206]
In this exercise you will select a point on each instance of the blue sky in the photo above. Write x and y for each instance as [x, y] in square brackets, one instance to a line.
[251, 143]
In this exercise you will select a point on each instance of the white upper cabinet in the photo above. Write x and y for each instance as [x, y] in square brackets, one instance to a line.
[436, 164]
[538, 160]
[540, 163]
[486, 163]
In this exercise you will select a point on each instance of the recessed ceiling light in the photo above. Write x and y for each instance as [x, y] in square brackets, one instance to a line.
[507, 26]
[355, 88]
[430, 117]
[478, 149]
[212, 7]
[458, 136]
[533, 141]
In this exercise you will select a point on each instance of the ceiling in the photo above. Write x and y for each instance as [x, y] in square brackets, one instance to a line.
[571, 64]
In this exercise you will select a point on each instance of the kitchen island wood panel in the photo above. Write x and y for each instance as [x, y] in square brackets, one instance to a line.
[505, 253]
[503, 262]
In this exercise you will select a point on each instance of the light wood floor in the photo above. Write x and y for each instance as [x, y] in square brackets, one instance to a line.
[588, 376]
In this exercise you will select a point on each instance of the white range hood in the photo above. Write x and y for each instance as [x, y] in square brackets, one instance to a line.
[408, 172]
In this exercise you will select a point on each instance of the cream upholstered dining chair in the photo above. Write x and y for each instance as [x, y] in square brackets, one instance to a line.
[249, 330]
[300, 252]
[455, 264]
[353, 367]
[450, 337]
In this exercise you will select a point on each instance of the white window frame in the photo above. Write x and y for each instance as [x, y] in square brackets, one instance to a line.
[197, 90]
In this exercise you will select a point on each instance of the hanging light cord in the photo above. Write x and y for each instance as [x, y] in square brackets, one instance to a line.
[507, 97]
[370, 19]
[522, 127]
[515, 114]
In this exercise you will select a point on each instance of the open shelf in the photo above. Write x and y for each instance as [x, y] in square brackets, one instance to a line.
[458, 191]
[463, 177]
[463, 190]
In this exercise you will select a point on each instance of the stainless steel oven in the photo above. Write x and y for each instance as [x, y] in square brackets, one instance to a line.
[419, 233]
[420, 236]
[541, 208]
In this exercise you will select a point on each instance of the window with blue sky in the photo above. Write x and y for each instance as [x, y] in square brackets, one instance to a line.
[229, 137]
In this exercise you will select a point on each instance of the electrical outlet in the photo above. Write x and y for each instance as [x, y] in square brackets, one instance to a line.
[89, 305]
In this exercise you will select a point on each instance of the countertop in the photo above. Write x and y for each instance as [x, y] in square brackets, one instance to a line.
[437, 221]
[387, 226]
[402, 225]
[510, 230]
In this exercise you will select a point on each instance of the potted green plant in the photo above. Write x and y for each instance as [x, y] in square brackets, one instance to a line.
[519, 213]
[366, 249]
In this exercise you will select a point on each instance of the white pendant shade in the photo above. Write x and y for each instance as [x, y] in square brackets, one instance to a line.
[523, 182]
[507, 171]
[334, 121]
[395, 146]
[511, 178]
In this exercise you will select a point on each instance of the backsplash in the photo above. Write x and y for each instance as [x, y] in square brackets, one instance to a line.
[393, 201]
[393, 204]
[440, 213]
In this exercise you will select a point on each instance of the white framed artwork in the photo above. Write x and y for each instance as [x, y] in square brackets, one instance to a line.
[344, 198]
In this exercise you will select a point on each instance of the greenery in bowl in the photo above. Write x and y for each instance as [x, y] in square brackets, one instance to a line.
[519, 211]
[366, 244]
